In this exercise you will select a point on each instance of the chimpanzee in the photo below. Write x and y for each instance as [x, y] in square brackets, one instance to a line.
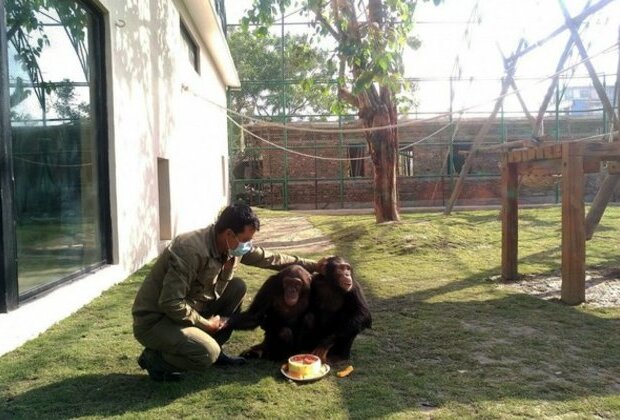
[278, 308]
[338, 312]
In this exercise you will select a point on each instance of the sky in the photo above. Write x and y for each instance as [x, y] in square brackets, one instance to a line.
[57, 62]
[448, 38]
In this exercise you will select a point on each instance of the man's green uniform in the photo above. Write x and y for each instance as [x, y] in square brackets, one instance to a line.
[190, 282]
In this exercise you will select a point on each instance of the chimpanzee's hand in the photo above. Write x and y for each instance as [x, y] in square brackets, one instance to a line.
[322, 264]
[321, 352]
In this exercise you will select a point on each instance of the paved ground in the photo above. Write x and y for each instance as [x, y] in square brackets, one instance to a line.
[602, 287]
[291, 234]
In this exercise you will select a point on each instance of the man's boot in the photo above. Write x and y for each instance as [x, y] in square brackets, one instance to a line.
[225, 360]
[158, 369]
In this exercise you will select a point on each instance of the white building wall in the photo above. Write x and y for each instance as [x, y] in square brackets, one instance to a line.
[160, 109]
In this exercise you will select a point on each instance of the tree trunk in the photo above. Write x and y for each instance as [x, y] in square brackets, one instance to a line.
[383, 146]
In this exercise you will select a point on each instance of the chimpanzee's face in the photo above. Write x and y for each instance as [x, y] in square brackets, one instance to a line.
[339, 271]
[295, 280]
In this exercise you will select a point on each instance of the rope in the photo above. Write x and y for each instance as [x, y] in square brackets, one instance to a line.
[185, 87]
[55, 165]
[329, 158]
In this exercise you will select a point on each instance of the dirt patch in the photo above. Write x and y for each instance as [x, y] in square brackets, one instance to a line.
[602, 287]
[290, 234]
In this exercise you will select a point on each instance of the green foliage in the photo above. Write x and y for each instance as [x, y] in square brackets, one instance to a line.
[370, 36]
[20, 93]
[65, 103]
[267, 58]
[369, 39]
[447, 340]
[26, 32]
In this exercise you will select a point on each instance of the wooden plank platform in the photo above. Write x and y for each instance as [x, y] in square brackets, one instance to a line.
[602, 151]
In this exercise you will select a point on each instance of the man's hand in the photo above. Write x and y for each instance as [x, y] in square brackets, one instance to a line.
[215, 323]
[223, 322]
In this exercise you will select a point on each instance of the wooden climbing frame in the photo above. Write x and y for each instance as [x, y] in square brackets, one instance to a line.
[570, 161]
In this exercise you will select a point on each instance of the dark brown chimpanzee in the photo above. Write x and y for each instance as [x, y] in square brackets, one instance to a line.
[338, 312]
[278, 308]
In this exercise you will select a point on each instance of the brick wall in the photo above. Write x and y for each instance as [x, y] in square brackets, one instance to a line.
[315, 183]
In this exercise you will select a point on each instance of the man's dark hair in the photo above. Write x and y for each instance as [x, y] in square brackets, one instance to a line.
[236, 217]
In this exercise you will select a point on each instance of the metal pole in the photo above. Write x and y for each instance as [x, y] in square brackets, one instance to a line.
[502, 126]
[557, 133]
[316, 174]
[451, 96]
[340, 163]
[604, 111]
[231, 151]
[284, 108]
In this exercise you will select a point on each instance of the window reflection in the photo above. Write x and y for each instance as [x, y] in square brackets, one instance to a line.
[52, 85]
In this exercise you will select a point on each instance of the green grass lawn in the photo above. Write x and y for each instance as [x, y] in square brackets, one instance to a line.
[447, 340]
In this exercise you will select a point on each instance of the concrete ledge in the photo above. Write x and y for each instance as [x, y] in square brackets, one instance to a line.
[34, 317]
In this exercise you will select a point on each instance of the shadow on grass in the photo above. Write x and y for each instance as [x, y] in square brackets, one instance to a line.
[473, 218]
[516, 347]
[117, 394]
[434, 352]
[542, 222]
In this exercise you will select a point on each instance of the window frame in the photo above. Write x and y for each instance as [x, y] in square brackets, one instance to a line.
[188, 40]
[355, 151]
[8, 242]
[9, 283]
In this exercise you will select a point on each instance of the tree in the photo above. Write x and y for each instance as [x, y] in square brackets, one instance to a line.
[264, 59]
[65, 103]
[369, 36]
[275, 74]
[26, 32]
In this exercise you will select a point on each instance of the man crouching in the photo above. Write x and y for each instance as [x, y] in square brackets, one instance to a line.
[182, 305]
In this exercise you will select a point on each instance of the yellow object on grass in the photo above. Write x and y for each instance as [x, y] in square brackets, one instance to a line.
[345, 372]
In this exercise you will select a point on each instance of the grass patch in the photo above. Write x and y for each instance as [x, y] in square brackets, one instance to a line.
[447, 340]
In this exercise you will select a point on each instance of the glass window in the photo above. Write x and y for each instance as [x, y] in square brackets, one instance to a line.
[58, 145]
[356, 153]
[406, 162]
[191, 48]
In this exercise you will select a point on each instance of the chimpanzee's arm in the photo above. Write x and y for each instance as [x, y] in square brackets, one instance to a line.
[255, 314]
[350, 320]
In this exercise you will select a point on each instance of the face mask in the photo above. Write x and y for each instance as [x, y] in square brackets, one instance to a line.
[242, 249]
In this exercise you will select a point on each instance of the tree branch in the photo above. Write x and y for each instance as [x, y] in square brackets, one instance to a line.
[348, 10]
[319, 16]
[348, 97]
[12, 31]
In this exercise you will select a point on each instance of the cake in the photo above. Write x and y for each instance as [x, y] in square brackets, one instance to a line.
[304, 366]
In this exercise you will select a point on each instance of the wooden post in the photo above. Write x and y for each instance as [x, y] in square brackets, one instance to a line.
[610, 182]
[573, 225]
[588, 10]
[513, 84]
[510, 219]
[598, 86]
[599, 204]
[538, 127]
